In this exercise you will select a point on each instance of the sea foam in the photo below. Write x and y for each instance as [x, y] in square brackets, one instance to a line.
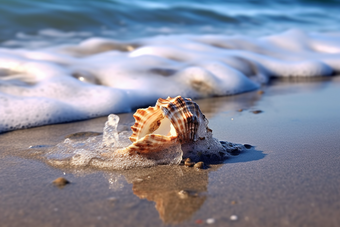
[100, 76]
[100, 151]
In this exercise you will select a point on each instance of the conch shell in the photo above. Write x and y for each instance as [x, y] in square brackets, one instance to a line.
[172, 122]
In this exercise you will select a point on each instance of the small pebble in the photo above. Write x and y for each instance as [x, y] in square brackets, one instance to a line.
[233, 217]
[260, 92]
[199, 165]
[248, 146]
[188, 162]
[257, 111]
[210, 221]
[60, 182]
[239, 110]
[233, 202]
[183, 194]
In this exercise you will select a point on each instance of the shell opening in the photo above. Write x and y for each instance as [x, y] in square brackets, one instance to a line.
[165, 128]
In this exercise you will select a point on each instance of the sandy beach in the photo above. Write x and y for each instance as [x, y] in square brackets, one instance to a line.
[290, 177]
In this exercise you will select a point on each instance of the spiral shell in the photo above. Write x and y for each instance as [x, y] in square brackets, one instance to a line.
[171, 121]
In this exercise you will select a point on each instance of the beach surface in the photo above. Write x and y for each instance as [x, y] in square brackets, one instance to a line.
[290, 177]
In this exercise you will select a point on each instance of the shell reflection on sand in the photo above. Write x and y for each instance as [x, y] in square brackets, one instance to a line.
[178, 192]
[173, 129]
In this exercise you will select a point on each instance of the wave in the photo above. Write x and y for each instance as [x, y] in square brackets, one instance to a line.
[141, 18]
[100, 76]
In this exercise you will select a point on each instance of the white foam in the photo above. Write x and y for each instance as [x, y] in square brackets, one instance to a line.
[100, 151]
[101, 76]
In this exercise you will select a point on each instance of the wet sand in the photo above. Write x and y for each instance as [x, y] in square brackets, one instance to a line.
[290, 177]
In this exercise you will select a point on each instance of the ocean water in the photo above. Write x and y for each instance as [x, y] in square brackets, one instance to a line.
[62, 60]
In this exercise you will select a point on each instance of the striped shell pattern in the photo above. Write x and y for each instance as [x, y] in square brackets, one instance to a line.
[171, 121]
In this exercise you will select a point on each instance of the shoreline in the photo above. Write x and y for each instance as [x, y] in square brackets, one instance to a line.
[291, 177]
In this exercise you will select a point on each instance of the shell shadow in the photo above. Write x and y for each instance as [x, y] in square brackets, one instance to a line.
[248, 155]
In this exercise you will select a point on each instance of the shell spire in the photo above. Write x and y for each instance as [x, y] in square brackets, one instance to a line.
[184, 115]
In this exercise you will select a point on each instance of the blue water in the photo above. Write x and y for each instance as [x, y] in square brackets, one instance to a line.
[74, 20]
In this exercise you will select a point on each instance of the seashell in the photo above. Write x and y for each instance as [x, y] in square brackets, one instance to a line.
[171, 122]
